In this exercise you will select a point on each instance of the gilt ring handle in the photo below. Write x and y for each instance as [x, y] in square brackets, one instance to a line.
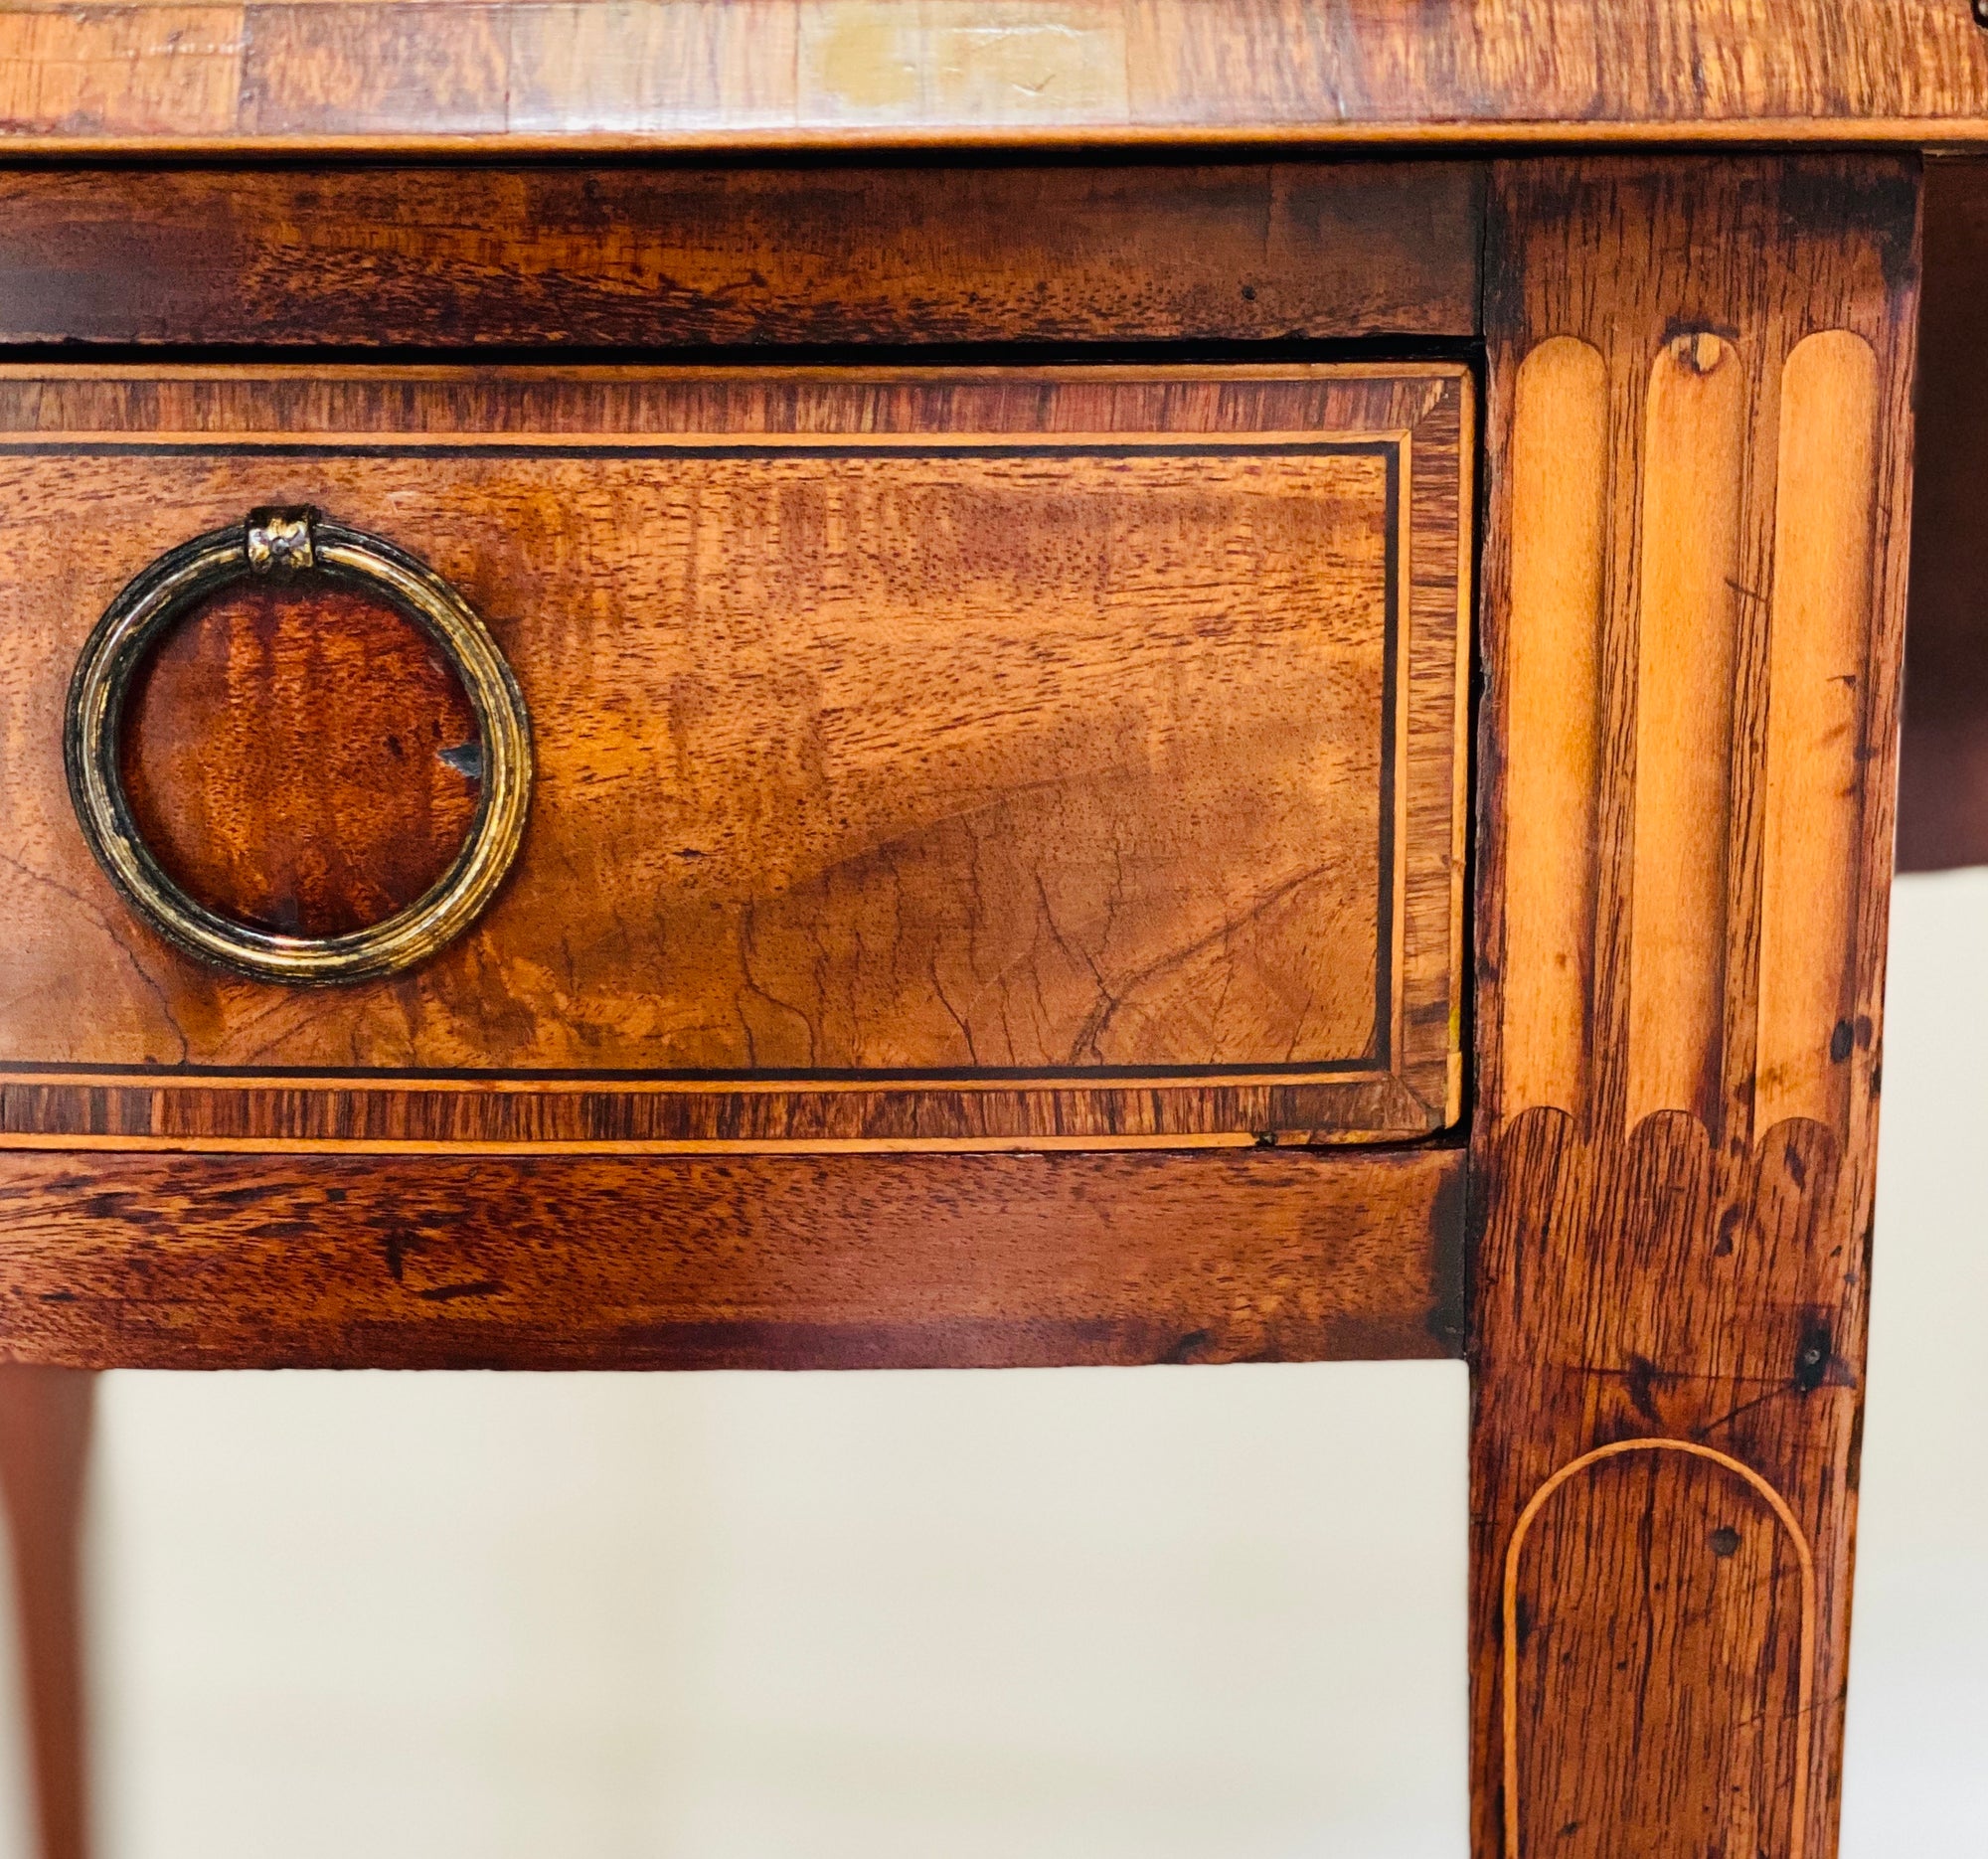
[292, 542]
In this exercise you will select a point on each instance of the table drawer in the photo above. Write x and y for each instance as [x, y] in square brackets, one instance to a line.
[938, 759]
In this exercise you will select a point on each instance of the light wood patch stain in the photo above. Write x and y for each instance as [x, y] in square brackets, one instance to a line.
[1014, 61]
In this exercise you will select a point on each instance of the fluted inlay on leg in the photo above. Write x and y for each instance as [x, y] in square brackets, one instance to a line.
[1826, 503]
[1560, 473]
[1694, 437]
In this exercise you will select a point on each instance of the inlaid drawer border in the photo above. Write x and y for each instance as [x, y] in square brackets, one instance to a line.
[87, 1105]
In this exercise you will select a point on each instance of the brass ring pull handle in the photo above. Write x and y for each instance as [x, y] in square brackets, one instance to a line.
[295, 542]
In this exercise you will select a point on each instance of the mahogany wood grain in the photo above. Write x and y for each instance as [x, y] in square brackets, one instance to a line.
[45, 1428]
[676, 73]
[999, 756]
[1943, 760]
[1669, 1292]
[253, 725]
[647, 256]
[754, 1261]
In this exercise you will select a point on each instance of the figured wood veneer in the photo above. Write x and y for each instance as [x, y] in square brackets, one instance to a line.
[729, 1261]
[359, 73]
[1052, 758]
[254, 722]
[647, 256]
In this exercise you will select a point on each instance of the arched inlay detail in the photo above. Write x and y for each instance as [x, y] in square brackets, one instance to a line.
[1805, 1562]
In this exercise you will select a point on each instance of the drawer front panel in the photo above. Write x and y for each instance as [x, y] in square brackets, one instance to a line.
[935, 758]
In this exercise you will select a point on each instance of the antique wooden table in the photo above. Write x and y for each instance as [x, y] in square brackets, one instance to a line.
[818, 682]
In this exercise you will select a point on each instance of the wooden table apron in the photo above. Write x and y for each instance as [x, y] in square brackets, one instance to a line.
[1695, 485]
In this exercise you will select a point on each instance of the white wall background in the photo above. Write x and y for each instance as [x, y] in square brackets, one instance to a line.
[1916, 1778]
[1079, 1613]
[1083, 1613]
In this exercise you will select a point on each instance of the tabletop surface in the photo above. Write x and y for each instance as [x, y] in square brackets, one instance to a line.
[521, 74]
